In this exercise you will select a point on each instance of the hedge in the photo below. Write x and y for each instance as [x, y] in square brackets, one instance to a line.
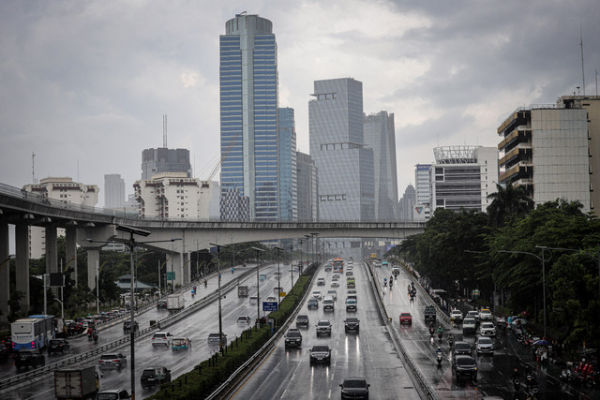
[210, 374]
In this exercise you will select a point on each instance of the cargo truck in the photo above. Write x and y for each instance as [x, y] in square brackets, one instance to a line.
[242, 291]
[76, 383]
[175, 302]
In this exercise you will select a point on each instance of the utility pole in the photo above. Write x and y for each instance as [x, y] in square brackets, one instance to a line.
[158, 262]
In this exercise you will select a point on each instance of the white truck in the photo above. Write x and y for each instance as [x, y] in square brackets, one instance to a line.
[175, 302]
[76, 383]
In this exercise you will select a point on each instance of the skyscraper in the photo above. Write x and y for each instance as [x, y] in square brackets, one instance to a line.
[114, 191]
[249, 144]
[406, 205]
[380, 135]
[344, 164]
[307, 185]
[287, 165]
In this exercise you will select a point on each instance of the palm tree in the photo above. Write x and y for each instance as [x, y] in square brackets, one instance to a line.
[508, 202]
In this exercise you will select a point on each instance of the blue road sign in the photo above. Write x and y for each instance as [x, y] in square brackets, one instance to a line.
[269, 306]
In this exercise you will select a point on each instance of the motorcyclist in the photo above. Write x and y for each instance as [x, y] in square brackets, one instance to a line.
[205, 283]
[95, 336]
[440, 331]
[431, 330]
[384, 282]
[90, 332]
[450, 340]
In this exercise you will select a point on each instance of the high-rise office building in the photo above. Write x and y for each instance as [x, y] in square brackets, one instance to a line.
[307, 197]
[546, 149]
[114, 191]
[287, 165]
[406, 205]
[248, 109]
[380, 135]
[463, 177]
[423, 195]
[344, 163]
[157, 161]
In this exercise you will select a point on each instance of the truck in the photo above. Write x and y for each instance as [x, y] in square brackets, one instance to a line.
[242, 291]
[76, 383]
[430, 314]
[175, 302]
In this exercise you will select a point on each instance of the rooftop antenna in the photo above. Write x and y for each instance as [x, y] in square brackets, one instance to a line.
[582, 70]
[165, 131]
[596, 82]
[33, 168]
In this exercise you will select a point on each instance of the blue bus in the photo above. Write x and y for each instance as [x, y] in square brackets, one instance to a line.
[33, 332]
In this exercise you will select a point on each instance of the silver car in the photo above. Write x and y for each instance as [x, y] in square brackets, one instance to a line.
[484, 345]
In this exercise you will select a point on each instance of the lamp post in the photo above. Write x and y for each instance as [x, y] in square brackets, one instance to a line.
[300, 241]
[279, 250]
[316, 246]
[308, 250]
[219, 294]
[258, 251]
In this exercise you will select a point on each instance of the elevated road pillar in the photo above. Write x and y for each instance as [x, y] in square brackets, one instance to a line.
[93, 261]
[4, 271]
[71, 252]
[175, 265]
[22, 265]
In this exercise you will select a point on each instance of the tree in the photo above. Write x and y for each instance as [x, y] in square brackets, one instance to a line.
[507, 203]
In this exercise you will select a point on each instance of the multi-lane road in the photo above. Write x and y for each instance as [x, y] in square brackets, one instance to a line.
[197, 327]
[287, 374]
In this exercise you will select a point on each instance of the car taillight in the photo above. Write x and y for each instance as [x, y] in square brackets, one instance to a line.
[33, 345]
[116, 361]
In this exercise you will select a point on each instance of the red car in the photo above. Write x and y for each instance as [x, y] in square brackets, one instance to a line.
[405, 318]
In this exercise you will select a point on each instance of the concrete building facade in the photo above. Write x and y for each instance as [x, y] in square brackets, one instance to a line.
[114, 191]
[157, 161]
[406, 205]
[307, 189]
[288, 203]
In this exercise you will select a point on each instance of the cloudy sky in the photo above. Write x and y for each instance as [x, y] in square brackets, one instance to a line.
[84, 84]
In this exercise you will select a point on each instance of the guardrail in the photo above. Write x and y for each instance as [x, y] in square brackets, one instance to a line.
[413, 372]
[167, 321]
[238, 376]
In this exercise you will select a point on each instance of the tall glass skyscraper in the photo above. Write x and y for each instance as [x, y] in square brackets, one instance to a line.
[249, 143]
[287, 165]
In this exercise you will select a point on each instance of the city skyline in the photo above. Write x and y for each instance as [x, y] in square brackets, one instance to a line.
[67, 100]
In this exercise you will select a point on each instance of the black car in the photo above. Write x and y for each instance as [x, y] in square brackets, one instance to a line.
[293, 338]
[155, 376]
[313, 304]
[302, 321]
[127, 326]
[464, 368]
[29, 358]
[320, 354]
[161, 304]
[113, 394]
[461, 349]
[355, 388]
[351, 325]
[58, 346]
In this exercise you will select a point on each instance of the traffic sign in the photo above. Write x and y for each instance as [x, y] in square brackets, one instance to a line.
[269, 306]
[262, 277]
[170, 275]
[282, 294]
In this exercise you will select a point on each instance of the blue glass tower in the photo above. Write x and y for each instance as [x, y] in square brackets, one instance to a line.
[249, 142]
[287, 165]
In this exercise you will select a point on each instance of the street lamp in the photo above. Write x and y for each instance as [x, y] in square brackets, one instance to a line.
[309, 247]
[279, 250]
[258, 251]
[219, 294]
[315, 247]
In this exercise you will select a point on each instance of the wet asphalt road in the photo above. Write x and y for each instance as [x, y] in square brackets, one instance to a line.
[287, 374]
[197, 327]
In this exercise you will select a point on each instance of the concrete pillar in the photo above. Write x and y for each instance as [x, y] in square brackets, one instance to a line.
[22, 264]
[71, 252]
[174, 264]
[93, 260]
[51, 252]
[4, 271]
[186, 268]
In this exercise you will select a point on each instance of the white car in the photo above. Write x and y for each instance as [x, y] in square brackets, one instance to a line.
[485, 315]
[484, 345]
[472, 314]
[456, 316]
[487, 329]
[469, 326]
[317, 294]
[161, 339]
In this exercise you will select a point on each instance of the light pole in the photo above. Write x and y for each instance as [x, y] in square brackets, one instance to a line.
[219, 294]
[279, 250]
[315, 247]
[309, 247]
[258, 251]
[300, 257]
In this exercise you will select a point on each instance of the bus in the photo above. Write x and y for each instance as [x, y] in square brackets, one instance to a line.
[33, 332]
[338, 265]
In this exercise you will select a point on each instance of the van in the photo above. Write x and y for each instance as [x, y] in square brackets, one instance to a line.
[328, 303]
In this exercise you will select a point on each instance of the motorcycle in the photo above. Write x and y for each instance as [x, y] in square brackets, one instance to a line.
[450, 341]
[438, 358]
[95, 335]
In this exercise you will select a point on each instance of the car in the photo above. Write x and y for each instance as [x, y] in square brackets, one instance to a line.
[320, 354]
[5, 349]
[29, 358]
[271, 299]
[456, 316]
[430, 314]
[293, 338]
[302, 321]
[469, 326]
[213, 338]
[321, 282]
[253, 299]
[180, 343]
[351, 285]
[349, 273]
[323, 328]
[127, 326]
[405, 318]
[328, 268]
[473, 315]
[313, 304]
[335, 277]
[351, 305]
[464, 367]
[112, 361]
[484, 345]
[487, 329]
[335, 285]
[161, 304]
[485, 315]
[161, 339]
[244, 320]
[333, 294]
[352, 324]
[155, 376]
[58, 346]
[355, 388]
[352, 291]
[328, 304]
[350, 279]
[113, 394]
[461, 348]
[316, 294]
